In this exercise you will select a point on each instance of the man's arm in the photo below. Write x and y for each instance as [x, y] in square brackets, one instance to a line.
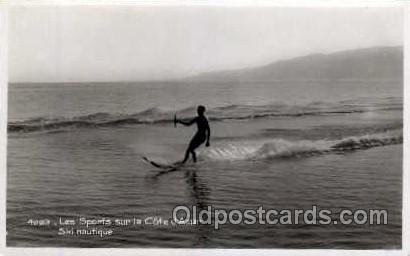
[208, 134]
[188, 123]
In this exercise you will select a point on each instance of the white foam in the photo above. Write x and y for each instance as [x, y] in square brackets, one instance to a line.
[285, 148]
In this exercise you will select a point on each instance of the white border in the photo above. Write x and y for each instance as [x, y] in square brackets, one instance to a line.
[3, 120]
[289, 3]
[285, 3]
[406, 133]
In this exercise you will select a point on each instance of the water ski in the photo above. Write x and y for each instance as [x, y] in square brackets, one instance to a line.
[160, 165]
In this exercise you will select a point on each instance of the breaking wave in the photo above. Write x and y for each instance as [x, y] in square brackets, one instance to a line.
[280, 148]
[229, 112]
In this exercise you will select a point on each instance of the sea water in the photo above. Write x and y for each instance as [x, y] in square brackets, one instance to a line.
[75, 151]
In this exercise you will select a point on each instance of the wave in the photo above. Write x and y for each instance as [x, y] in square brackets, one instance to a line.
[281, 148]
[221, 113]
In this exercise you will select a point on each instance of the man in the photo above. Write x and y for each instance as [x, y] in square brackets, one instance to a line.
[203, 134]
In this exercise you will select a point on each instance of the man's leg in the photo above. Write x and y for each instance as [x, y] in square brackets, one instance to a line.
[193, 156]
[186, 156]
[195, 143]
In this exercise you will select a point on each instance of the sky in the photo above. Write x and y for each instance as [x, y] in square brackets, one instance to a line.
[133, 43]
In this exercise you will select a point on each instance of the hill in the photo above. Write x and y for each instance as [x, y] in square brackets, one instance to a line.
[378, 63]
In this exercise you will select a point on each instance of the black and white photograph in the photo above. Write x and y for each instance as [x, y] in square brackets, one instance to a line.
[258, 127]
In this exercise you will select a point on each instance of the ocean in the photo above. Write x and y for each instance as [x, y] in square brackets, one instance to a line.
[75, 151]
